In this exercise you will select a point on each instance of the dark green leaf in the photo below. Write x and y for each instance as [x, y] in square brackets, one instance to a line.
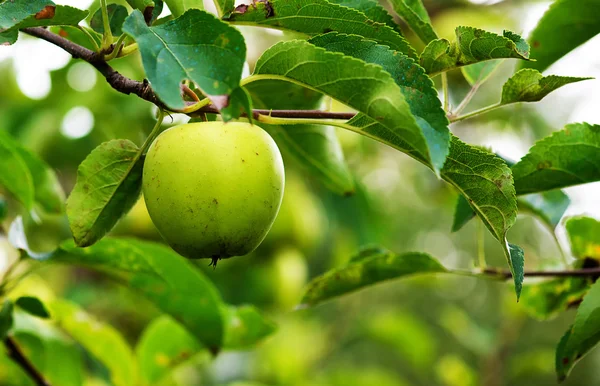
[9, 37]
[315, 147]
[517, 266]
[13, 12]
[196, 46]
[415, 15]
[378, 267]
[109, 182]
[179, 7]
[161, 275]
[14, 173]
[140, 4]
[547, 299]
[6, 318]
[245, 327]
[462, 214]
[372, 10]
[33, 306]
[116, 16]
[529, 85]
[224, 7]
[584, 237]
[416, 87]
[472, 45]
[103, 341]
[583, 336]
[239, 102]
[549, 206]
[163, 346]
[565, 26]
[478, 73]
[48, 191]
[3, 209]
[567, 157]
[314, 17]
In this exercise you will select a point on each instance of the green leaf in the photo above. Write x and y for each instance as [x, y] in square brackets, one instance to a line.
[372, 10]
[48, 349]
[245, 327]
[6, 318]
[314, 147]
[33, 306]
[239, 102]
[517, 266]
[529, 85]
[108, 183]
[480, 72]
[462, 214]
[416, 87]
[140, 4]
[415, 15]
[48, 191]
[77, 36]
[566, 25]
[364, 87]
[472, 45]
[314, 17]
[584, 237]
[366, 271]
[179, 7]
[547, 299]
[549, 206]
[13, 12]
[224, 7]
[9, 37]
[3, 209]
[163, 346]
[116, 16]
[162, 276]
[14, 173]
[196, 46]
[583, 336]
[103, 341]
[567, 157]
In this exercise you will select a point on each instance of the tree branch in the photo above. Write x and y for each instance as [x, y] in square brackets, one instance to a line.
[584, 272]
[143, 90]
[15, 353]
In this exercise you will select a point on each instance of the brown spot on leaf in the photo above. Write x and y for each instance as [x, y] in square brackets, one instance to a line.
[565, 361]
[544, 165]
[536, 44]
[63, 33]
[46, 13]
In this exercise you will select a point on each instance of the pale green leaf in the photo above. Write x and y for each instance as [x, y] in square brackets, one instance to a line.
[314, 17]
[15, 176]
[547, 299]
[245, 327]
[368, 270]
[164, 345]
[224, 7]
[583, 336]
[463, 213]
[568, 157]
[116, 16]
[48, 191]
[529, 85]
[584, 237]
[416, 87]
[108, 183]
[566, 25]
[103, 341]
[161, 275]
[549, 206]
[178, 7]
[314, 147]
[195, 46]
[472, 45]
[372, 10]
[480, 72]
[415, 15]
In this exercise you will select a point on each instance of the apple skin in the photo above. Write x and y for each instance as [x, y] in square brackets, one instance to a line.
[212, 189]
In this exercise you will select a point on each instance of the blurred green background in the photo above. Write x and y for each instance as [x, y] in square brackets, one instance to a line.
[447, 331]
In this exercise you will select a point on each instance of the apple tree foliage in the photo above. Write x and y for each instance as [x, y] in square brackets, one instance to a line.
[349, 51]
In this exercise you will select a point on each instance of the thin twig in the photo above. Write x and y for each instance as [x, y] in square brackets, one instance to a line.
[16, 355]
[584, 272]
[315, 114]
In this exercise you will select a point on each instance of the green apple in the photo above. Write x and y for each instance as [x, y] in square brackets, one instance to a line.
[213, 189]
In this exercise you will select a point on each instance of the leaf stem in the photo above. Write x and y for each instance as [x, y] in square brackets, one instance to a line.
[154, 133]
[90, 37]
[15, 353]
[270, 120]
[116, 48]
[129, 49]
[476, 112]
[465, 102]
[107, 36]
[445, 91]
[481, 244]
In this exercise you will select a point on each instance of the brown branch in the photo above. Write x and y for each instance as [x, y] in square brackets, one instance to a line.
[584, 272]
[15, 353]
[143, 90]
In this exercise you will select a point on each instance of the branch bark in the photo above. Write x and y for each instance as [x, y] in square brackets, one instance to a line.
[584, 272]
[15, 353]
